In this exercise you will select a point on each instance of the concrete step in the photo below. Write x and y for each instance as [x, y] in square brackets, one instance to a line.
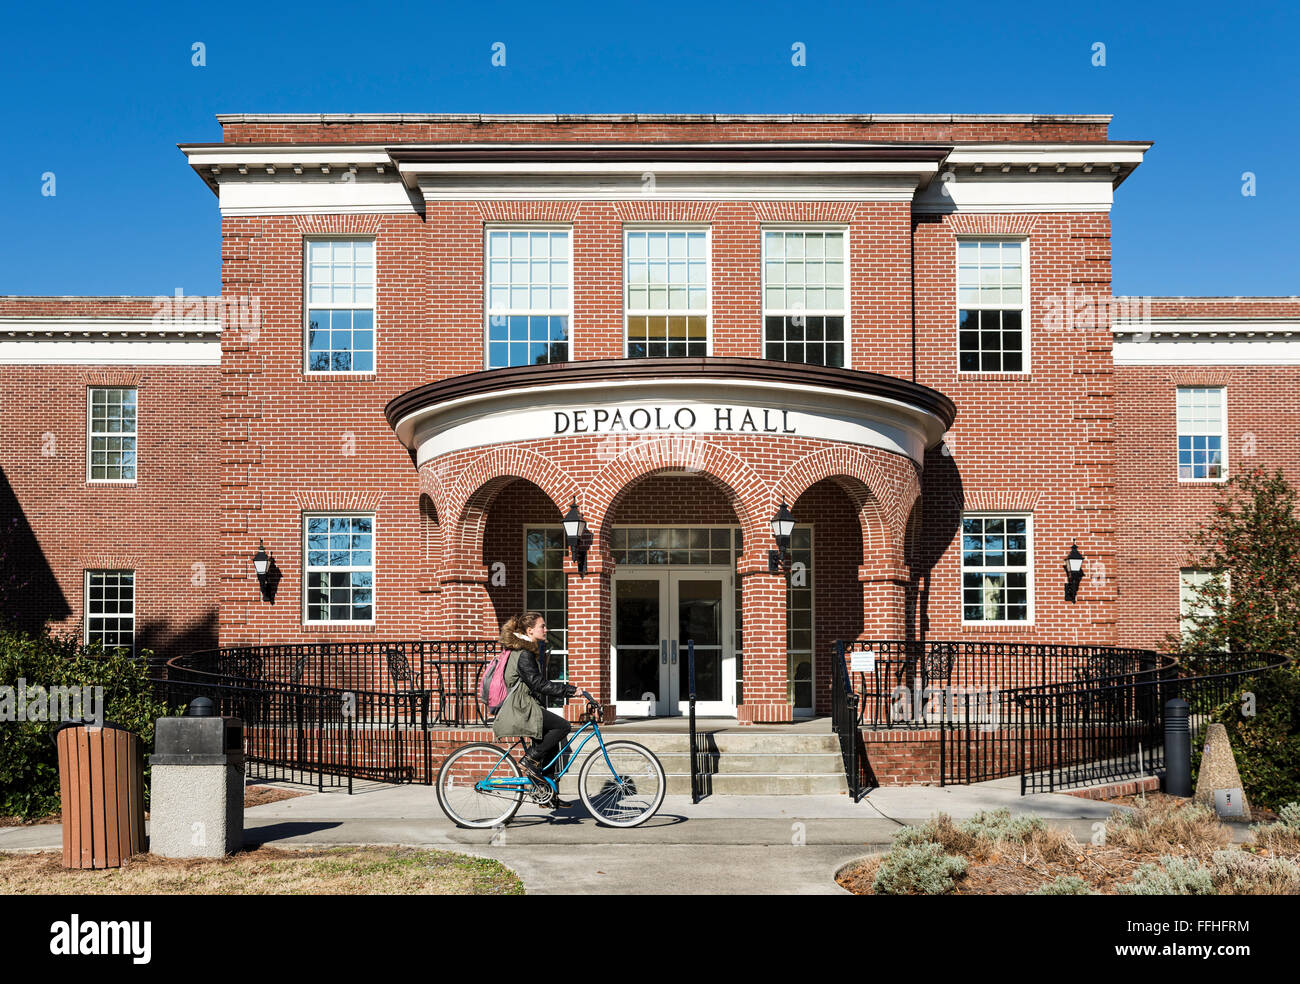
[730, 741]
[741, 785]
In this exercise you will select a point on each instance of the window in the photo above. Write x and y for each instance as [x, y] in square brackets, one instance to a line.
[110, 609]
[528, 296]
[1192, 606]
[995, 568]
[667, 302]
[991, 303]
[546, 591]
[803, 296]
[799, 620]
[340, 305]
[111, 444]
[340, 583]
[1202, 445]
[676, 545]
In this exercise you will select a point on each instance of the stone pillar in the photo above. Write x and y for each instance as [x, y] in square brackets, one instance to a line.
[766, 696]
[589, 634]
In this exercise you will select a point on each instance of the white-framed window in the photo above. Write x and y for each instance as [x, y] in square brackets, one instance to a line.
[992, 295]
[666, 292]
[340, 296]
[805, 296]
[111, 434]
[339, 555]
[1202, 433]
[1192, 608]
[529, 292]
[997, 568]
[110, 609]
[546, 591]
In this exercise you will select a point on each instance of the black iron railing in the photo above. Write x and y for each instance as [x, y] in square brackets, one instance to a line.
[844, 719]
[338, 711]
[695, 750]
[1114, 729]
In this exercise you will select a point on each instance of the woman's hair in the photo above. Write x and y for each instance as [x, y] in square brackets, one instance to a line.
[519, 624]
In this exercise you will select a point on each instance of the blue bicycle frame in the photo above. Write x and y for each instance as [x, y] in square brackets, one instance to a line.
[489, 783]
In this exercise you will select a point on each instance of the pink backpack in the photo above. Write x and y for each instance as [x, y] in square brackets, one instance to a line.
[494, 682]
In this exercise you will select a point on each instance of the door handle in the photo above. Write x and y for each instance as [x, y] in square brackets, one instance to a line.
[663, 651]
[674, 652]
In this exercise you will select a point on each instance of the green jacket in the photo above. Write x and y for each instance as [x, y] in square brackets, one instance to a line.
[521, 714]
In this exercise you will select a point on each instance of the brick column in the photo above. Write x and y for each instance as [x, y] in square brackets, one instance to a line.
[884, 600]
[464, 609]
[589, 635]
[766, 695]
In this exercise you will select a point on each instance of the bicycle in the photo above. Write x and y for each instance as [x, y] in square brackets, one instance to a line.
[621, 783]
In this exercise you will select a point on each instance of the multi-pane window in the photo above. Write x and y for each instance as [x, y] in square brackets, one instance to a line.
[803, 296]
[1201, 434]
[667, 302]
[111, 438]
[110, 608]
[340, 568]
[545, 591]
[799, 619]
[672, 545]
[528, 296]
[995, 568]
[340, 305]
[991, 303]
[1193, 606]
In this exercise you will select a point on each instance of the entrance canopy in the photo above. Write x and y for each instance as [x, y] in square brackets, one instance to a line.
[625, 398]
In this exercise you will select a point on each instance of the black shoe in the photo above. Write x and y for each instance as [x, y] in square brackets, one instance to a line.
[533, 769]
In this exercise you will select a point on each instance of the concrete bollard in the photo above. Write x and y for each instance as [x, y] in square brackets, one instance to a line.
[197, 805]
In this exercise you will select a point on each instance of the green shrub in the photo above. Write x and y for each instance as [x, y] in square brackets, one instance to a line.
[1065, 885]
[29, 761]
[994, 826]
[1267, 745]
[1171, 876]
[918, 869]
[1289, 816]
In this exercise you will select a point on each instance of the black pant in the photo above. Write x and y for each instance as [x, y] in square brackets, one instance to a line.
[554, 730]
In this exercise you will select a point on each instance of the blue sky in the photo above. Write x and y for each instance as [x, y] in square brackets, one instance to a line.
[100, 96]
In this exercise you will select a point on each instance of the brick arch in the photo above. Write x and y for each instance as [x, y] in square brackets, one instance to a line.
[478, 485]
[749, 495]
[882, 487]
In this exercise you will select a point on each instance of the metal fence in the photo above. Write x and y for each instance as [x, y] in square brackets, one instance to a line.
[328, 713]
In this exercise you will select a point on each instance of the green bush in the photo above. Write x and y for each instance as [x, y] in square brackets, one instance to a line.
[1267, 745]
[1171, 876]
[918, 869]
[29, 762]
[1065, 885]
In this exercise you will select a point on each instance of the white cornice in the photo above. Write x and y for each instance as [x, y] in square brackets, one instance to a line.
[16, 326]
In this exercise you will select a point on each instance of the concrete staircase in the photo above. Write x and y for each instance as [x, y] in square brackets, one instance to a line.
[737, 761]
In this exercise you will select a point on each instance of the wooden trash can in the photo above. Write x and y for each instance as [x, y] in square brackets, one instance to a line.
[101, 790]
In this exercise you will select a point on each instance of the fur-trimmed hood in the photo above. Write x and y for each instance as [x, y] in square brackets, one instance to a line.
[512, 640]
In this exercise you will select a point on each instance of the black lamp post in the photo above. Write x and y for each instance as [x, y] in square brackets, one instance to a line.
[1073, 572]
[264, 567]
[782, 526]
[575, 527]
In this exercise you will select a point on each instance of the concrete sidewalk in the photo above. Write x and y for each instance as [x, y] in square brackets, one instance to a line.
[722, 845]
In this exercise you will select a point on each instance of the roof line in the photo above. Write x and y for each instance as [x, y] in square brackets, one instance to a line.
[224, 118]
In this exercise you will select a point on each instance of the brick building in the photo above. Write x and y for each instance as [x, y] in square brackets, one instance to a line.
[438, 335]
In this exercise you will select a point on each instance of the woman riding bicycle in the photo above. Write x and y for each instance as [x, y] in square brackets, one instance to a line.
[523, 714]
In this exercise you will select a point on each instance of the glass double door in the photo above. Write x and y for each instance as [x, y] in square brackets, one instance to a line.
[655, 615]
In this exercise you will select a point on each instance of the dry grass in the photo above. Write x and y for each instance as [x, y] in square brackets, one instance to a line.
[1167, 825]
[261, 795]
[268, 871]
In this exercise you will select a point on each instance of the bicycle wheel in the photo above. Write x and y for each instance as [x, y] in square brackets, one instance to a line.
[629, 794]
[460, 786]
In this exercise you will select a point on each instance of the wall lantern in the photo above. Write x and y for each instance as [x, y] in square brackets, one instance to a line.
[268, 575]
[1073, 572]
[575, 527]
[782, 526]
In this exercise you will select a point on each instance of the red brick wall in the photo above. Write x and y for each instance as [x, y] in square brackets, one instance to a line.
[1157, 514]
[164, 527]
[1042, 441]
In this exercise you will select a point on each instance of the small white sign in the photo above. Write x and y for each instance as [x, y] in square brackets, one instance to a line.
[1227, 803]
[863, 661]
